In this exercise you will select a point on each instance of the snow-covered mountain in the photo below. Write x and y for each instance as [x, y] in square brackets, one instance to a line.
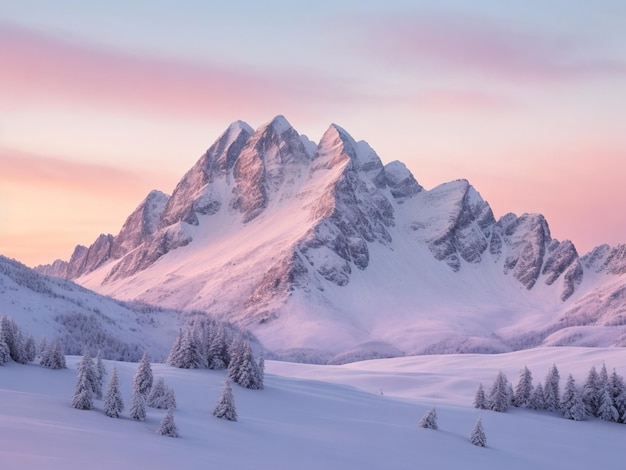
[323, 252]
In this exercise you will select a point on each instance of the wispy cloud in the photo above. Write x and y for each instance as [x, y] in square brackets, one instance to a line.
[38, 66]
[449, 42]
[25, 169]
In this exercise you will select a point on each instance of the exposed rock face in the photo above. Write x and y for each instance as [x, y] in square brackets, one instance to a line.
[140, 225]
[606, 259]
[455, 223]
[192, 196]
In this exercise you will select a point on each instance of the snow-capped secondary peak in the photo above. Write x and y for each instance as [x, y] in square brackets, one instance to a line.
[279, 124]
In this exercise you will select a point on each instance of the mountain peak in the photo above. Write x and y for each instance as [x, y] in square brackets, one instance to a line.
[279, 124]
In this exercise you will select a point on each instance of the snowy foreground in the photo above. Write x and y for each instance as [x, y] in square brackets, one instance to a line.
[357, 416]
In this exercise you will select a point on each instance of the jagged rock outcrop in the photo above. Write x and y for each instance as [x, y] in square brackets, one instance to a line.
[606, 259]
[140, 225]
[455, 222]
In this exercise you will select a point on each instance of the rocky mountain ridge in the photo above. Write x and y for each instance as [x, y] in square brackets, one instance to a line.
[268, 229]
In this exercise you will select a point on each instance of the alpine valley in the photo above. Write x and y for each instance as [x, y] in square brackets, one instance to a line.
[327, 255]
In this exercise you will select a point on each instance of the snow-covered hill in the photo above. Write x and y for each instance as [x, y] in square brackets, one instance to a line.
[53, 308]
[327, 254]
[356, 416]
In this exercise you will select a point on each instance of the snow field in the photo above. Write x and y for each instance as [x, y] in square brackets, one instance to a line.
[311, 417]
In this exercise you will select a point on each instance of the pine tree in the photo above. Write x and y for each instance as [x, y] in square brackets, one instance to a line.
[572, 405]
[43, 351]
[174, 357]
[478, 436]
[591, 392]
[168, 426]
[5, 354]
[113, 403]
[138, 406]
[30, 349]
[247, 373]
[225, 408]
[235, 354]
[551, 389]
[100, 372]
[524, 388]
[499, 394]
[82, 399]
[142, 382]
[606, 408]
[480, 400]
[538, 399]
[618, 392]
[261, 369]
[429, 420]
[217, 350]
[185, 352]
[161, 396]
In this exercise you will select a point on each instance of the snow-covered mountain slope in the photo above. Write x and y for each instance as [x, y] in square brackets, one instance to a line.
[353, 417]
[53, 308]
[324, 251]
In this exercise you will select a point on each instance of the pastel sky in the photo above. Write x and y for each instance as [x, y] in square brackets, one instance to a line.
[100, 102]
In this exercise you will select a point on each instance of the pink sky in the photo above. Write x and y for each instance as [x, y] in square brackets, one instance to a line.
[99, 109]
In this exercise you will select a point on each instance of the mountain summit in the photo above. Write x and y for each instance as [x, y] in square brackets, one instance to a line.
[324, 252]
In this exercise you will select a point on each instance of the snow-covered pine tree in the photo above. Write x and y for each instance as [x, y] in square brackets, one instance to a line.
[248, 374]
[161, 396]
[538, 399]
[56, 358]
[499, 394]
[591, 392]
[225, 408]
[174, 357]
[142, 381]
[30, 349]
[480, 400]
[551, 389]
[524, 388]
[217, 350]
[113, 403]
[82, 399]
[43, 350]
[261, 368]
[5, 354]
[11, 334]
[429, 420]
[100, 372]
[137, 406]
[572, 405]
[478, 436]
[235, 354]
[168, 426]
[606, 408]
[618, 392]
[185, 353]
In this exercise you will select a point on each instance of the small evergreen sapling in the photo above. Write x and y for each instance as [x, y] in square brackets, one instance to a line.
[225, 408]
[429, 420]
[113, 403]
[478, 436]
[480, 400]
[168, 426]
